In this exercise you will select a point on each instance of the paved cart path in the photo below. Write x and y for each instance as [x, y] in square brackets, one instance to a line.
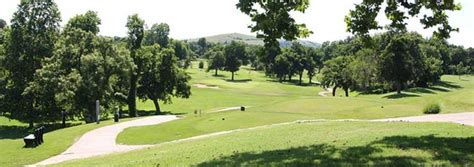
[101, 141]
[460, 118]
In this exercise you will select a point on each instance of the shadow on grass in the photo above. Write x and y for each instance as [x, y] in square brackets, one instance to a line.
[447, 84]
[294, 82]
[152, 112]
[457, 151]
[238, 80]
[17, 132]
[399, 96]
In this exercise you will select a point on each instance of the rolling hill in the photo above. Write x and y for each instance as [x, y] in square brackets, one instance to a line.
[249, 39]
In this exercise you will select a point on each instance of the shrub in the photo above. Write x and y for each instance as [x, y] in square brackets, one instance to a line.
[201, 64]
[432, 108]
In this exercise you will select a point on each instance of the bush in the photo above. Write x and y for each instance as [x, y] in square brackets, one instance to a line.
[201, 64]
[432, 108]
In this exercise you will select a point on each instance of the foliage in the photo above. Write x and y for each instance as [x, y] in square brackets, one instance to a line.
[337, 73]
[158, 34]
[363, 18]
[136, 33]
[432, 108]
[272, 21]
[161, 78]
[30, 39]
[234, 56]
[216, 61]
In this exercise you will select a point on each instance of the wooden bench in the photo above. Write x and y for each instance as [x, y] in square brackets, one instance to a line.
[35, 139]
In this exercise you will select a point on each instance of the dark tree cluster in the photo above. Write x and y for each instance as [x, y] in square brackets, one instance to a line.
[46, 71]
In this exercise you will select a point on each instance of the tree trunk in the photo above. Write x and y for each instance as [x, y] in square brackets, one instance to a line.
[132, 95]
[334, 91]
[232, 76]
[301, 78]
[399, 88]
[30, 124]
[310, 79]
[157, 107]
[289, 77]
[347, 91]
[216, 72]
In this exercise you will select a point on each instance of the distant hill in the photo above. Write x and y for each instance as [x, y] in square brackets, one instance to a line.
[249, 39]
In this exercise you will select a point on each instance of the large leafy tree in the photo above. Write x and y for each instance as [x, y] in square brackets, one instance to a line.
[282, 64]
[158, 34]
[397, 61]
[216, 60]
[136, 33]
[162, 78]
[299, 60]
[234, 54]
[272, 21]
[84, 68]
[363, 18]
[336, 73]
[33, 32]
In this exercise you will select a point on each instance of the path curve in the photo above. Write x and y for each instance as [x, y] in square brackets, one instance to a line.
[460, 118]
[101, 141]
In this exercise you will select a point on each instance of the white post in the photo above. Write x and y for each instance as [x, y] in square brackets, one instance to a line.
[97, 106]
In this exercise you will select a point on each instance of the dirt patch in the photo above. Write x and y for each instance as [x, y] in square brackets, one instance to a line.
[203, 86]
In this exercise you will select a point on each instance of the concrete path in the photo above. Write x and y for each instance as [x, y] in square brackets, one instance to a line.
[460, 118]
[101, 141]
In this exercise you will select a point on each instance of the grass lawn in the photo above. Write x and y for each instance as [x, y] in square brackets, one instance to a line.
[11, 142]
[309, 144]
[272, 102]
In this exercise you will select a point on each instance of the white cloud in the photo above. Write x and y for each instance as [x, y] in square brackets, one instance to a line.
[191, 18]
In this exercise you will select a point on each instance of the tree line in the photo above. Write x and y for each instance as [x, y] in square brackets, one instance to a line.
[46, 70]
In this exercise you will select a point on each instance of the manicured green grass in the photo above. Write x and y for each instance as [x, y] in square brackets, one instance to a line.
[12, 152]
[310, 144]
[272, 102]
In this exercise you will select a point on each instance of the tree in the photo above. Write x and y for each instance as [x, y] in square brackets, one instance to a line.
[3, 24]
[182, 52]
[273, 21]
[158, 34]
[362, 19]
[33, 32]
[461, 70]
[203, 46]
[162, 78]
[136, 34]
[336, 73]
[364, 68]
[313, 62]
[88, 22]
[282, 65]
[233, 57]
[299, 60]
[396, 62]
[216, 61]
[84, 68]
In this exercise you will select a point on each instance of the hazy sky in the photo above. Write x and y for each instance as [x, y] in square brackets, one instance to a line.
[198, 18]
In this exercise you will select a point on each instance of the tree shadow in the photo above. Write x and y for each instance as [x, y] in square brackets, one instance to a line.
[399, 96]
[219, 76]
[152, 113]
[17, 132]
[238, 80]
[447, 84]
[457, 151]
[421, 90]
[294, 83]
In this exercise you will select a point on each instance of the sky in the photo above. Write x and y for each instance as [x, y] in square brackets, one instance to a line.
[200, 18]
